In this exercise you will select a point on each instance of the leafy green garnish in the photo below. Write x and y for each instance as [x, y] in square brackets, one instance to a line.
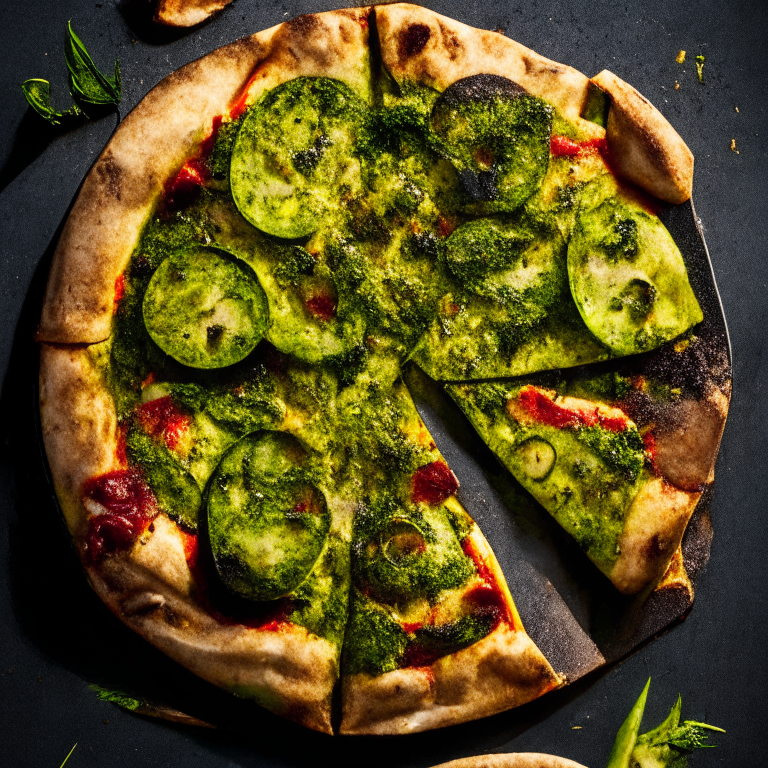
[38, 95]
[117, 697]
[666, 746]
[86, 83]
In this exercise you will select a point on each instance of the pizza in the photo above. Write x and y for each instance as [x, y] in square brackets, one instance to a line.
[268, 238]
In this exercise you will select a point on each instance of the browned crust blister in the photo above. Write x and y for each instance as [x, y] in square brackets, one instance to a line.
[150, 587]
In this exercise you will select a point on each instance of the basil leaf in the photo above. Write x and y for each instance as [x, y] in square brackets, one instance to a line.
[87, 84]
[38, 95]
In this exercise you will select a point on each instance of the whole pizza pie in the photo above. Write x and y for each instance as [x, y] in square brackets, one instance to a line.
[268, 238]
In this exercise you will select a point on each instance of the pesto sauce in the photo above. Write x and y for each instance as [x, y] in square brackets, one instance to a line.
[374, 642]
[177, 493]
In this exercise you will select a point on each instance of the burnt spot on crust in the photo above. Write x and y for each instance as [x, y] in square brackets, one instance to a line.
[450, 41]
[110, 175]
[412, 40]
[655, 548]
[303, 24]
[481, 88]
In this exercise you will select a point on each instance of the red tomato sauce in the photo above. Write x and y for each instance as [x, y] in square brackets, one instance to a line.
[162, 419]
[562, 146]
[649, 442]
[544, 410]
[130, 508]
[119, 292]
[322, 306]
[433, 483]
[486, 596]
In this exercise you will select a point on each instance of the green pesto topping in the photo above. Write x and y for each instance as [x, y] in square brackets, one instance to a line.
[497, 137]
[402, 552]
[374, 642]
[295, 154]
[218, 162]
[481, 248]
[267, 520]
[203, 309]
[294, 262]
[622, 451]
[444, 639]
[177, 493]
[321, 603]
[242, 405]
[378, 419]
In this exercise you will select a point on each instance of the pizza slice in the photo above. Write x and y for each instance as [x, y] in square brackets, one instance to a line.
[620, 461]
[433, 637]
[182, 568]
[565, 265]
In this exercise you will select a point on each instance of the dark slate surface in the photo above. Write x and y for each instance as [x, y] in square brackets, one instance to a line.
[54, 636]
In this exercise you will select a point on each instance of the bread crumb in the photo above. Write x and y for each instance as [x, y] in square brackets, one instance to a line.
[576, 728]
[733, 146]
[736, 108]
[499, 31]
[677, 86]
[680, 57]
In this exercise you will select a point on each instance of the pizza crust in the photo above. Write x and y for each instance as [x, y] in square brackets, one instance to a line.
[517, 760]
[418, 44]
[643, 146]
[79, 426]
[157, 138]
[290, 672]
[187, 13]
[686, 451]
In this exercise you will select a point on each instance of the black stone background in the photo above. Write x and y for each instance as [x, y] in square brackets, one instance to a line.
[55, 638]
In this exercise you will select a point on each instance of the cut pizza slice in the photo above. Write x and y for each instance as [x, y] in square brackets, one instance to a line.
[620, 462]
[434, 637]
[190, 571]
[566, 265]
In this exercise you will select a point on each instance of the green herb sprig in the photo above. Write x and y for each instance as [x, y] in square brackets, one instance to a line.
[666, 745]
[87, 85]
